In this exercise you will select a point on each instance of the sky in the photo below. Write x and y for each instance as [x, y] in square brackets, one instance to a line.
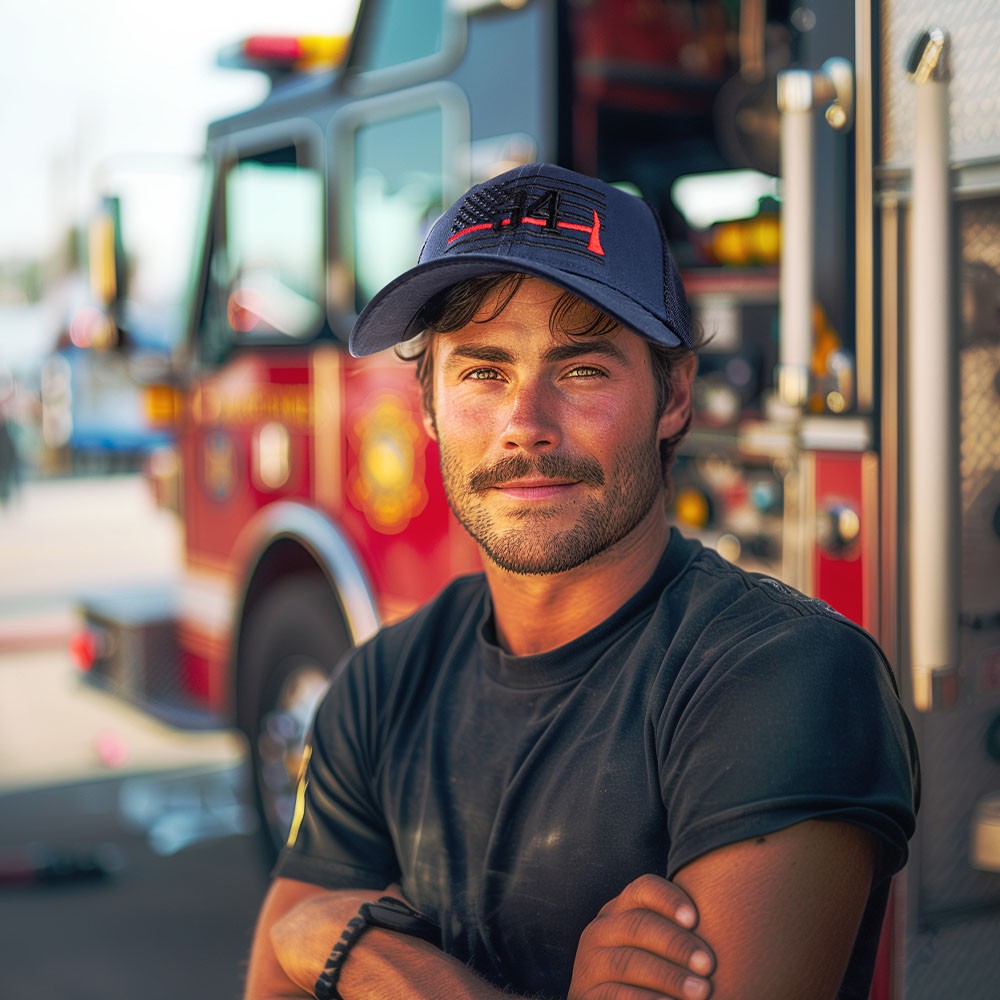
[84, 83]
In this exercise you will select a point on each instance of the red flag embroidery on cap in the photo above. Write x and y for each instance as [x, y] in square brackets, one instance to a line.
[550, 212]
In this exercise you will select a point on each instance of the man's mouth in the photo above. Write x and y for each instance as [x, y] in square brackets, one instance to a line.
[535, 478]
[535, 489]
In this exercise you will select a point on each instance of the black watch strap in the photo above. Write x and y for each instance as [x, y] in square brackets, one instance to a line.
[389, 913]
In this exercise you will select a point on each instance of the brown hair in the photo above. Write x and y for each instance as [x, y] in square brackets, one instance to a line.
[571, 316]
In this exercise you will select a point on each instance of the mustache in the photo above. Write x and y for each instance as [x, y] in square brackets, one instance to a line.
[563, 467]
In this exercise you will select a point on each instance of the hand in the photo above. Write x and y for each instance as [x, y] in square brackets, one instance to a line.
[641, 945]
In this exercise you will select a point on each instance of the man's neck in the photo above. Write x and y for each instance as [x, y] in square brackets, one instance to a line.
[534, 614]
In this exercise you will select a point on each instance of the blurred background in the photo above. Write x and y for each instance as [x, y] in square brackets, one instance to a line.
[93, 94]
[205, 500]
[129, 858]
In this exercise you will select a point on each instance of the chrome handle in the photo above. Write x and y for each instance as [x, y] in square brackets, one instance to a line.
[800, 92]
[931, 390]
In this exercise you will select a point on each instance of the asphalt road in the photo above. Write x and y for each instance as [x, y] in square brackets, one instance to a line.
[129, 862]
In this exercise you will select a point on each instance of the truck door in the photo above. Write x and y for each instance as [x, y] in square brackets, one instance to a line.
[266, 278]
[247, 435]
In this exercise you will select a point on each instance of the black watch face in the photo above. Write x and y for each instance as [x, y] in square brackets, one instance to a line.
[394, 906]
[394, 915]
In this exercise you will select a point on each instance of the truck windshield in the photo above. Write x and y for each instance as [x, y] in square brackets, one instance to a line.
[396, 198]
[266, 279]
[401, 31]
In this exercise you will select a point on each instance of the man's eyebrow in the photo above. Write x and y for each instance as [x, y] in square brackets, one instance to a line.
[580, 348]
[477, 352]
[493, 354]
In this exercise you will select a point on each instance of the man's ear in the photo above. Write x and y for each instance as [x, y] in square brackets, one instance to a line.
[676, 413]
[429, 424]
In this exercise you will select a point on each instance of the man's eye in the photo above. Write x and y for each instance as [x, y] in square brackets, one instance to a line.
[483, 374]
[585, 371]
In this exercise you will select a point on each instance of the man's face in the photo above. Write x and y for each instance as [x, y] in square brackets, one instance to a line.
[549, 445]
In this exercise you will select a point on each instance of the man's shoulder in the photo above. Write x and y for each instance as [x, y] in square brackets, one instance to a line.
[708, 576]
[720, 597]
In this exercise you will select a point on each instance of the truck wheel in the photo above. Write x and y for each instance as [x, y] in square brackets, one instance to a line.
[294, 638]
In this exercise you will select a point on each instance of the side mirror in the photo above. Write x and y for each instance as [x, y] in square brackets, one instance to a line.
[106, 267]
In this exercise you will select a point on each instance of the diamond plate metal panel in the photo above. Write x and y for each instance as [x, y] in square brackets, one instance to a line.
[958, 961]
[974, 29]
[950, 954]
[979, 371]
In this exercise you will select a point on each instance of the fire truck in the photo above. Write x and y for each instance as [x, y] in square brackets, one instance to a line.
[829, 176]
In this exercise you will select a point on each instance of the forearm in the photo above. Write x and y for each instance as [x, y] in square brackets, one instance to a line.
[386, 964]
[292, 947]
[300, 924]
[286, 945]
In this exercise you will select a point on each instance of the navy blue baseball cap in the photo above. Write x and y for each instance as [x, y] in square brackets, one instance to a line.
[601, 243]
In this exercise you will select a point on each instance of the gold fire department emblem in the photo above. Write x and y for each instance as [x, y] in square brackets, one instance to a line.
[387, 484]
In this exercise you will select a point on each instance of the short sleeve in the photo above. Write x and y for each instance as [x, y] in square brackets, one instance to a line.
[339, 838]
[795, 720]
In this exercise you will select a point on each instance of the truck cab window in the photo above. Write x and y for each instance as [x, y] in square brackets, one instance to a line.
[400, 32]
[397, 196]
[266, 272]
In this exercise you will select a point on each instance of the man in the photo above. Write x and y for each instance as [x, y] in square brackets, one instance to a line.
[612, 765]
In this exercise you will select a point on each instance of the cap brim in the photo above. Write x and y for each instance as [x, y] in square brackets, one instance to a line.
[392, 316]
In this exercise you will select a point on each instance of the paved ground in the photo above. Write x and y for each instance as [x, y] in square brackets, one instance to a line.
[62, 538]
[101, 898]
[56, 729]
[129, 865]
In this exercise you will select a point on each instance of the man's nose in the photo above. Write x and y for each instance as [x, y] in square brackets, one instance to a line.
[532, 420]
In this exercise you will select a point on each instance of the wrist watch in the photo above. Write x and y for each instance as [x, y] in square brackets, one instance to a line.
[389, 913]
[395, 915]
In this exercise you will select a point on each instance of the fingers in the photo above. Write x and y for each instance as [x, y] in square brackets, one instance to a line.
[655, 914]
[642, 944]
[630, 974]
[649, 932]
[650, 892]
[645, 970]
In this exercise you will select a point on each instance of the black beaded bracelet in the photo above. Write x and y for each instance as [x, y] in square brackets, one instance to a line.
[389, 913]
[326, 985]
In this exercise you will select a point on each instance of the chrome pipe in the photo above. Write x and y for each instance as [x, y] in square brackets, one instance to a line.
[931, 393]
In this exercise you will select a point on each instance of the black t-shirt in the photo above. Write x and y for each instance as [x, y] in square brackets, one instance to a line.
[512, 796]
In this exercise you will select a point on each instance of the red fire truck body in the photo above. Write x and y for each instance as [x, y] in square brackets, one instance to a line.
[351, 448]
[826, 455]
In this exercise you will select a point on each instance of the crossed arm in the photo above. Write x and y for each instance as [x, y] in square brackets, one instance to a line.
[772, 917]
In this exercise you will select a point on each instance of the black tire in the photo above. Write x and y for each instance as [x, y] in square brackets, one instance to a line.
[294, 638]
